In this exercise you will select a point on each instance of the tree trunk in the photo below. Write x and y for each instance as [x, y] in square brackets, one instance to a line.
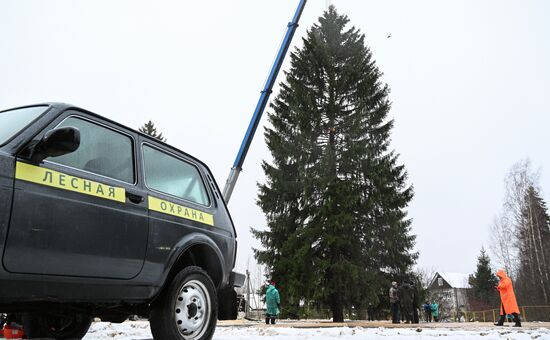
[540, 222]
[337, 308]
[538, 255]
[526, 247]
[534, 243]
[501, 245]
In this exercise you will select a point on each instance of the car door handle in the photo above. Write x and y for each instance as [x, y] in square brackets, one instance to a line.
[134, 198]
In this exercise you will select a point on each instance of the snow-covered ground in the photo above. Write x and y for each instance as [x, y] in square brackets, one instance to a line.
[139, 330]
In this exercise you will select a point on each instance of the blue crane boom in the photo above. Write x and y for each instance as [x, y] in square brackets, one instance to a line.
[262, 103]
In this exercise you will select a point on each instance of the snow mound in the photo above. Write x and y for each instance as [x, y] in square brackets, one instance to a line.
[139, 330]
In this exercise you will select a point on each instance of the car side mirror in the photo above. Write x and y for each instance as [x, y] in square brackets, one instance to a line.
[56, 142]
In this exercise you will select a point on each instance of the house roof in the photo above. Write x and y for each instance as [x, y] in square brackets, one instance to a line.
[455, 280]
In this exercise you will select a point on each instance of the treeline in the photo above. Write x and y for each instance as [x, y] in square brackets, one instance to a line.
[520, 236]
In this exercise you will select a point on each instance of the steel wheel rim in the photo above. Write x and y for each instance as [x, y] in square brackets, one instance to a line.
[192, 310]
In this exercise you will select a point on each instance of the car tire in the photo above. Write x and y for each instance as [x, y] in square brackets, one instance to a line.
[188, 309]
[64, 325]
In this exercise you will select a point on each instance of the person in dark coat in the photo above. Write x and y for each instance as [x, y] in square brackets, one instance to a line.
[394, 302]
[427, 311]
[370, 312]
[406, 301]
[416, 303]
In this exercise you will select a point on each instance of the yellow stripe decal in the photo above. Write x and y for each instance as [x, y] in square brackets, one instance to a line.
[174, 209]
[51, 178]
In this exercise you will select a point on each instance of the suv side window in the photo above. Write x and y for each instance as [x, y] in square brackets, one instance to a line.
[102, 151]
[173, 176]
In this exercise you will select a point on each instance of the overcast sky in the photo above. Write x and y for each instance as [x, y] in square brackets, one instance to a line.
[470, 87]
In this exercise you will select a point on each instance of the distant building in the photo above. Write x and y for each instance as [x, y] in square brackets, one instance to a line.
[450, 291]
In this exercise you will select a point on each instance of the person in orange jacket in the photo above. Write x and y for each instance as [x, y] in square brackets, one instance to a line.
[508, 304]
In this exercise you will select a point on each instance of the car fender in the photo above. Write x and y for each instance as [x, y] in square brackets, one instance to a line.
[188, 242]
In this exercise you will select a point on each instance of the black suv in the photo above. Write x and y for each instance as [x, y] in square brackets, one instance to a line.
[99, 220]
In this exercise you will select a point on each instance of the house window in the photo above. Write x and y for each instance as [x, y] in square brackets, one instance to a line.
[440, 281]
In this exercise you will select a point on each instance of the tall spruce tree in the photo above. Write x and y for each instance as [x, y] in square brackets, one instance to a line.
[335, 194]
[533, 236]
[150, 129]
[483, 282]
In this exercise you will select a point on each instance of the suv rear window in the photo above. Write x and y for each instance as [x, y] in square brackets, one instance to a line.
[173, 176]
[13, 121]
[102, 151]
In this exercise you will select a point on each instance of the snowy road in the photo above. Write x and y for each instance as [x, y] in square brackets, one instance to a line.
[139, 330]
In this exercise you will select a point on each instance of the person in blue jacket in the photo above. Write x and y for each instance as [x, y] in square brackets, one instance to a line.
[273, 302]
[427, 311]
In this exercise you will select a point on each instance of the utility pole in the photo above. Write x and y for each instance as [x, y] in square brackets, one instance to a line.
[247, 304]
[456, 304]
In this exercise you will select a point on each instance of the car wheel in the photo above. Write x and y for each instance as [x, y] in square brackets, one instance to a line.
[188, 309]
[62, 325]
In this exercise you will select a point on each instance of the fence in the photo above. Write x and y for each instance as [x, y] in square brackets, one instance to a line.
[307, 313]
[528, 313]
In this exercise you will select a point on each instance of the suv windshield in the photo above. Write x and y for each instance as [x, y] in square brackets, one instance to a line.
[13, 121]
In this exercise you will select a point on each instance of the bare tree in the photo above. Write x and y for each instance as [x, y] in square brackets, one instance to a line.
[425, 276]
[517, 182]
[501, 245]
[516, 238]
